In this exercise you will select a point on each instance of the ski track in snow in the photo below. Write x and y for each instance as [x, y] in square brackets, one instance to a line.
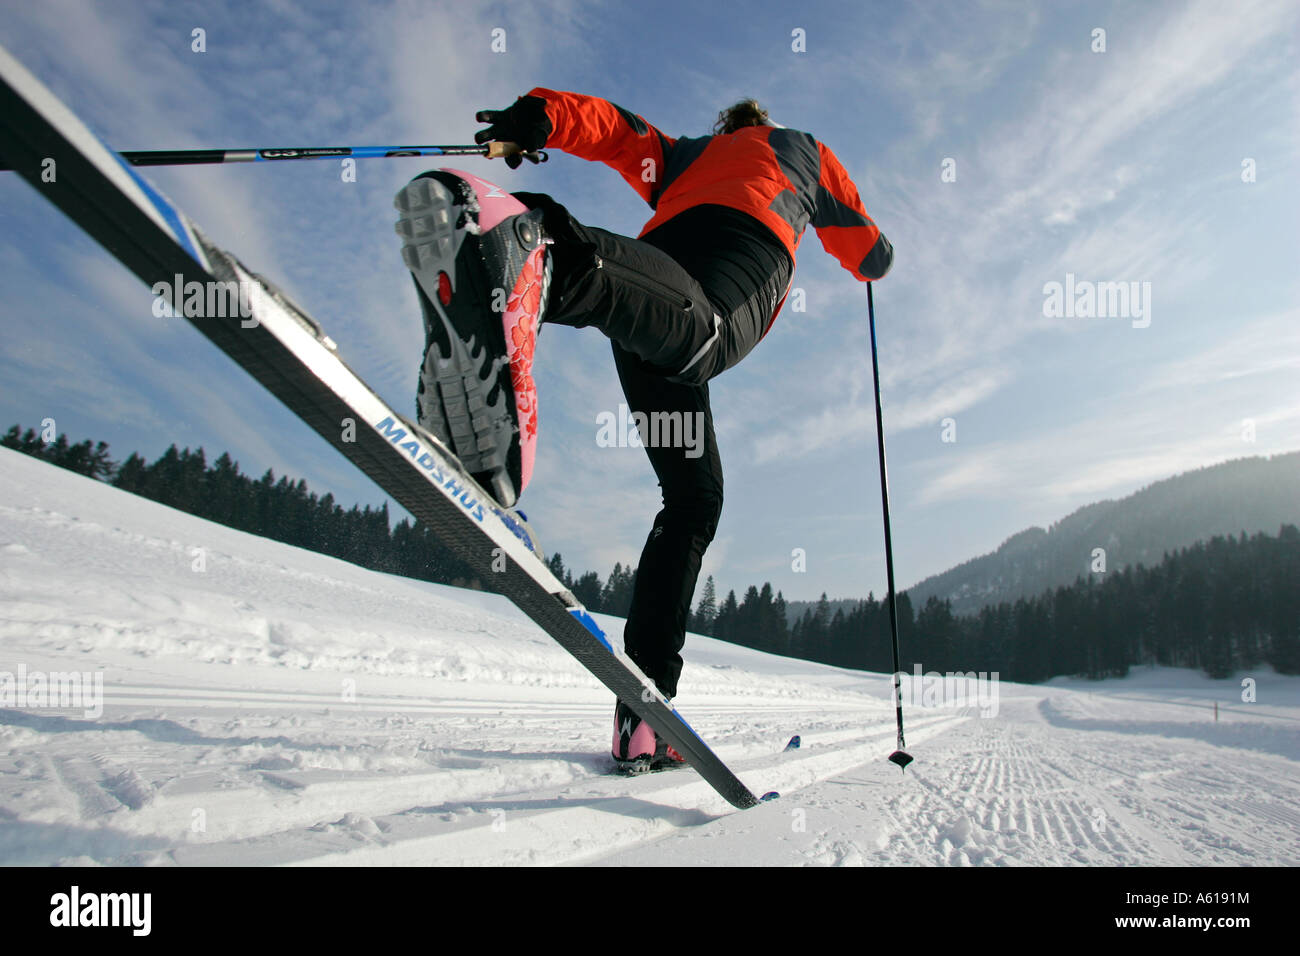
[282, 707]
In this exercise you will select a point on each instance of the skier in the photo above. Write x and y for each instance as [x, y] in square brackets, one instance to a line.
[684, 302]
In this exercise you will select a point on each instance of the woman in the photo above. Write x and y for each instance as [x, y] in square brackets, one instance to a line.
[681, 304]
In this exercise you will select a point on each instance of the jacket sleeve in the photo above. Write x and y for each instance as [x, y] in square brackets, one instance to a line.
[842, 223]
[602, 132]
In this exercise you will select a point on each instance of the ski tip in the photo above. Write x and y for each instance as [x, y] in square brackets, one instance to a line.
[794, 743]
[769, 796]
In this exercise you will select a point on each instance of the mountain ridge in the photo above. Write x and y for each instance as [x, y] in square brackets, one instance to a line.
[1257, 493]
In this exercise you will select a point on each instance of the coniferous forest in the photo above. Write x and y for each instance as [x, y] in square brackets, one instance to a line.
[1224, 605]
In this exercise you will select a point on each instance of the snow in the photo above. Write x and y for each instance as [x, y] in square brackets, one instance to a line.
[267, 705]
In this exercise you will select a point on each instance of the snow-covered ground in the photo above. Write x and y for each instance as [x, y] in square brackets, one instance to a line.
[263, 704]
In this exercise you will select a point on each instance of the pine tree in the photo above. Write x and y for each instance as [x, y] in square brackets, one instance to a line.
[617, 596]
[724, 625]
[707, 610]
[779, 626]
[589, 591]
[817, 637]
[130, 476]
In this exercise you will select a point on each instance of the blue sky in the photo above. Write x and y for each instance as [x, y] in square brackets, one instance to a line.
[1117, 166]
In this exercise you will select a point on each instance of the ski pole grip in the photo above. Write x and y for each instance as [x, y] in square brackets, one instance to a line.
[500, 150]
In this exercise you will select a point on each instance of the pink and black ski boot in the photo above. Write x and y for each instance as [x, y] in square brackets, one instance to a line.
[479, 260]
[637, 748]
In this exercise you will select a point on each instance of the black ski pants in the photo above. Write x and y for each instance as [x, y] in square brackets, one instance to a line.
[680, 305]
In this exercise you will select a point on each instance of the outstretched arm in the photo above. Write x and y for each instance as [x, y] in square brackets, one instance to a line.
[587, 127]
[842, 223]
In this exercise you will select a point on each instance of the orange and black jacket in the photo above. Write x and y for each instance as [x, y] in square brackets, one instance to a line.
[784, 178]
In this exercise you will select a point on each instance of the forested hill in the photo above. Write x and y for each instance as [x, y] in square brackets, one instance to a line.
[1243, 495]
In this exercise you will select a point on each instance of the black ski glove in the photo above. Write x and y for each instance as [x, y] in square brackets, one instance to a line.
[525, 123]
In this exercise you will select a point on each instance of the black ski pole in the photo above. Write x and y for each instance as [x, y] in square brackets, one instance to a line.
[899, 756]
[193, 157]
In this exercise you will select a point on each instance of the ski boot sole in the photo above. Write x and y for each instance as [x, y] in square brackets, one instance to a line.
[466, 401]
[644, 765]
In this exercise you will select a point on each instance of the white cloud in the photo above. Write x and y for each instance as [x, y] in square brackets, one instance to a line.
[1264, 346]
[1114, 446]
